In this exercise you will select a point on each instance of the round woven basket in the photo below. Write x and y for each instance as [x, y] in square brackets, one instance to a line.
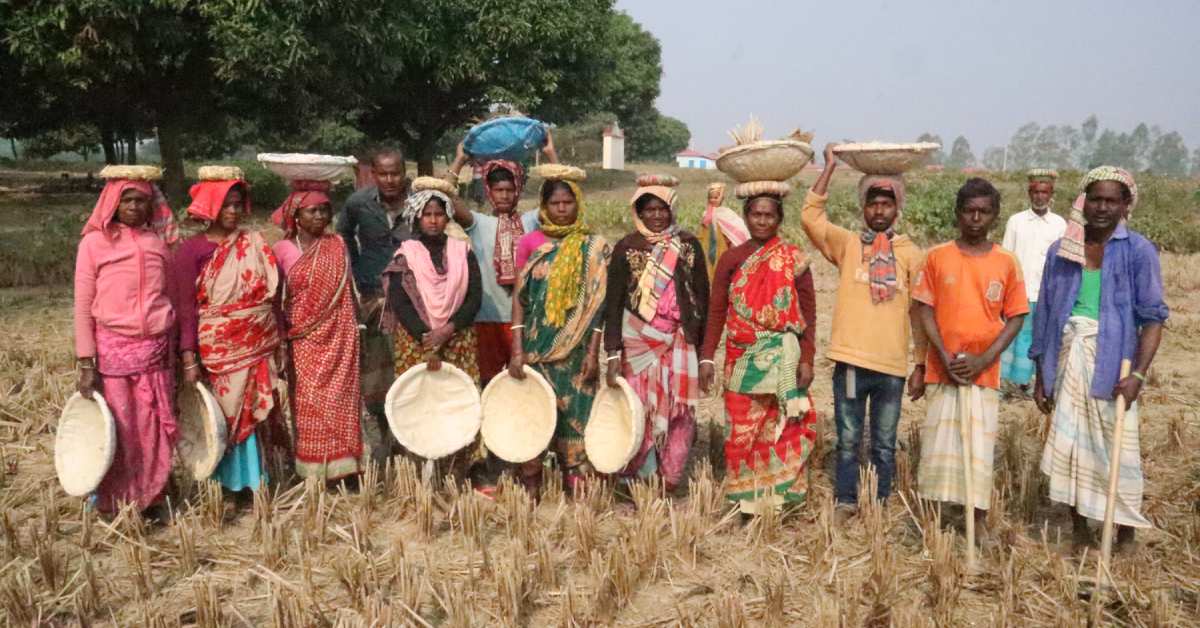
[203, 433]
[884, 158]
[137, 173]
[560, 172]
[754, 188]
[306, 167]
[433, 413]
[615, 427]
[519, 416]
[84, 444]
[220, 173]
[434, 183]
[775, 160]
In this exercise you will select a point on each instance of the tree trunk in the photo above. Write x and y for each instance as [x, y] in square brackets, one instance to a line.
[110, 146]
[172, 162]
[131, 147]
[423, 153]
[12, 144]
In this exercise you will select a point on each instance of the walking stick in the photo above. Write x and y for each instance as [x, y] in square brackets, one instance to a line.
[965, 430]
[1114, 472]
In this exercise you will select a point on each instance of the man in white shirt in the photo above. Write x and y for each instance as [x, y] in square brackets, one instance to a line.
[1028, 235]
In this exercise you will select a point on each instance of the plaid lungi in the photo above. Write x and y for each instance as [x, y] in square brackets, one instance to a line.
[940, 475]
[1076, 453]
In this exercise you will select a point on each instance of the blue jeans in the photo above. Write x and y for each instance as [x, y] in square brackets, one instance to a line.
[852, 387]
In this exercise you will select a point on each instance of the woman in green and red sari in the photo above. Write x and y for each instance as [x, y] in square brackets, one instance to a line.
[763, 298]
[557, 315]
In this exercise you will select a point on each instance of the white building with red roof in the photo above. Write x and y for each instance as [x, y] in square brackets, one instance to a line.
[695, 159]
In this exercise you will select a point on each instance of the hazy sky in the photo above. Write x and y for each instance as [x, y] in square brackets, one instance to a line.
[890, 70]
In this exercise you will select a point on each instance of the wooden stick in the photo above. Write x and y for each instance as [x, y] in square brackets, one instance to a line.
[964, 429]
[1114, 472]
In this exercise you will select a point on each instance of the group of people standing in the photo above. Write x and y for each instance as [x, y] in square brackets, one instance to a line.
[413, 276]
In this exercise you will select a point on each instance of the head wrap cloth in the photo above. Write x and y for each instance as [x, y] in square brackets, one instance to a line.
[162, 220]
[209, 196]
[891, 183]
[305, 193]
[416, 201]
[1071, 246]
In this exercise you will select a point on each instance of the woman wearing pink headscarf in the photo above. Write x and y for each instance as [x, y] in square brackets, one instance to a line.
[123, 322]
[432, 289]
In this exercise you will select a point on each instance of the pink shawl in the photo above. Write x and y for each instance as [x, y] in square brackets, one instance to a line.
[440, 294]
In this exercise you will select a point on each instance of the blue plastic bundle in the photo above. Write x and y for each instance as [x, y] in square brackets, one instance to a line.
[511, 138]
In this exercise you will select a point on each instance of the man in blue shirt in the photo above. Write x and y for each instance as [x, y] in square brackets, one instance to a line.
[1101, 302]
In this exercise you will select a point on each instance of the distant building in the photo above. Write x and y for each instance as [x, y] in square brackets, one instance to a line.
[695, 159]
[614, 148]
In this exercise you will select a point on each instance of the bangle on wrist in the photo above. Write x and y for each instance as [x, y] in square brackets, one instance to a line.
[616, 356]
[515, 327]
[1139, 376]
[708, 362]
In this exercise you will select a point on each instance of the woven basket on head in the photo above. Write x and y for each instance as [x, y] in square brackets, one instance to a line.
[665, 180]
[203, 433]
[305, 167]
[615, 427]
[137, 173]
[519, 416]
[434, 183]
[885, 158]
[433, 413]
[775, 160]
[220, 173]
[84, 444]
[754, 188]
[560, 172]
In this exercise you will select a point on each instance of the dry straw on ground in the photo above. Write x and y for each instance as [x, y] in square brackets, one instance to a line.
[403, 550]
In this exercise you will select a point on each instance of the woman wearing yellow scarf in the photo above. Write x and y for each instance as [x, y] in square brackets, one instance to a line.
[557, 313]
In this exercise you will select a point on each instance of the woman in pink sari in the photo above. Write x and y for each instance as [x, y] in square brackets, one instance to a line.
[322, 330]
[123, 324]
[227, 284]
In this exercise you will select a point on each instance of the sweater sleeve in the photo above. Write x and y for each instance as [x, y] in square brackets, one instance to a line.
[186, 270]
[85, 293]
[403, 308]
[700, 285]
[464, 317]
[718, 302]
[827, 237]
[808, 309]
[614, 299]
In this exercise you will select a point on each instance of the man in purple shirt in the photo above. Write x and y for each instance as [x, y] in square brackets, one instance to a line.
[1101, 302]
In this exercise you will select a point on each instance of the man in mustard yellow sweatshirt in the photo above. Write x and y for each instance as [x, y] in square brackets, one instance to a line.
[871, 325]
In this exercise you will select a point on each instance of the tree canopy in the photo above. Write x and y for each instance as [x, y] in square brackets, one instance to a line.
[208, 76]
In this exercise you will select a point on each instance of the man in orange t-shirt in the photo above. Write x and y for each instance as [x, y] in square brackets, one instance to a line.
[970, 301]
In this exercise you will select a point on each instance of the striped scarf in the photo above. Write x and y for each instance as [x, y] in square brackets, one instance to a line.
[880, 260]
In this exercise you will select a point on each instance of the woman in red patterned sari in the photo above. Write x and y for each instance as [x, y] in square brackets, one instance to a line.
[763, 297]
[227, 285]
[323, 334]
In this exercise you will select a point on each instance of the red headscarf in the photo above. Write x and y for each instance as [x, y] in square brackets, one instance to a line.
[305, 193]
[209, 196]
[162, 220]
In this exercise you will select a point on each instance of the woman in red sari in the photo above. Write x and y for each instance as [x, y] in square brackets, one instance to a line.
[323, 334]
[762, 296]
[227, 284]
